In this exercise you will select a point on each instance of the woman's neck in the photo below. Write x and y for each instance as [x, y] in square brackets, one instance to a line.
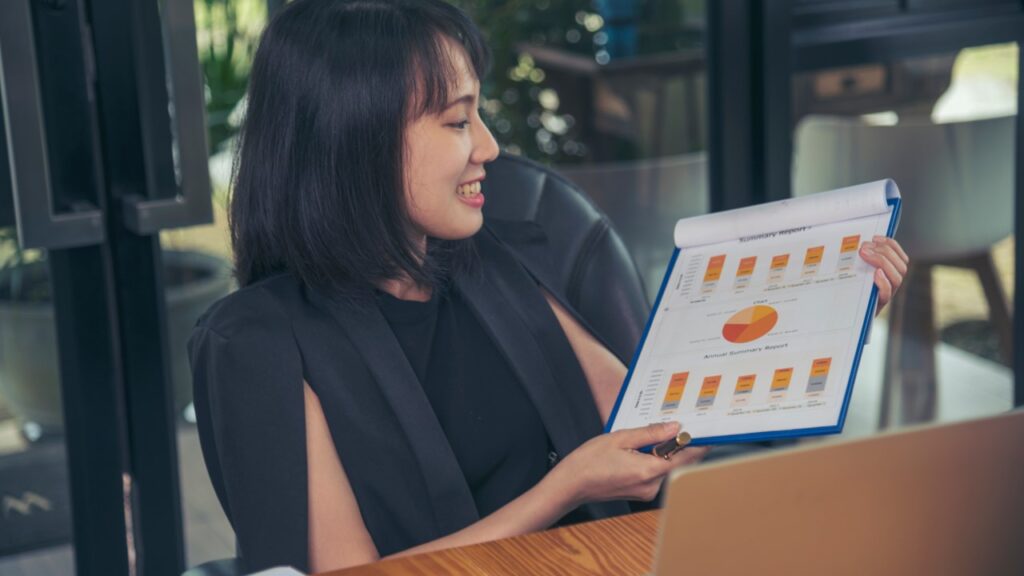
[406, 289]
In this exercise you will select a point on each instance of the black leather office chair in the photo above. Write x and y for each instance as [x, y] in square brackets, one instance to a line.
[590, 263]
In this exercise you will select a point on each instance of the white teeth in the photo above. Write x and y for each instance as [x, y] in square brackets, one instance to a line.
[471, 189]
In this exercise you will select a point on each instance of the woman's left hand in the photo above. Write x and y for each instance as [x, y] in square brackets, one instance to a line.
[890, 262]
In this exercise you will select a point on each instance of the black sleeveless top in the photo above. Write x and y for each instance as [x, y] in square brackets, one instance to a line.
[494, 429]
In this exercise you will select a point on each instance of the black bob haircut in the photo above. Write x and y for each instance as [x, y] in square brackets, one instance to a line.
[318, 177]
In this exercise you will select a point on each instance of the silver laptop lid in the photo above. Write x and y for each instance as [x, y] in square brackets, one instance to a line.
[936, 500]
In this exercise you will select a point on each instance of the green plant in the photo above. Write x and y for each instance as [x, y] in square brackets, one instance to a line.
[520, 103]
[227, 33]
[521, 111]
[14, 284]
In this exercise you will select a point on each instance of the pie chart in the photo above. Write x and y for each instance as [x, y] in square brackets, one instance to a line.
[750, 324]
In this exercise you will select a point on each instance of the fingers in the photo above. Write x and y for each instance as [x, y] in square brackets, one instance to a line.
[689, 455]
[891, 263]
[655, 472]
[649, 490]
[888, 250]
[651, 434]
[885, 288]
[887, 259]
[895, 246]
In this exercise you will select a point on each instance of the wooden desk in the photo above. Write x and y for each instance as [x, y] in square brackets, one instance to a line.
[622, 545]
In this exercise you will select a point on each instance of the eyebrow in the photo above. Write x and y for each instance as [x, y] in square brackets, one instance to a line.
[465, 99]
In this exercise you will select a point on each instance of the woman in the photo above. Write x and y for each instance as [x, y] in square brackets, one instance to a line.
[390, 378]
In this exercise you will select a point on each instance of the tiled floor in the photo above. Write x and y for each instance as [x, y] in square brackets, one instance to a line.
[208, 535]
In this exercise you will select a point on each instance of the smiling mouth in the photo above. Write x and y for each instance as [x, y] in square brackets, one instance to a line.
[469, 190]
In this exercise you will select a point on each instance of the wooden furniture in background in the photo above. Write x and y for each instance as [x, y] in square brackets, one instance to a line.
[957, 182]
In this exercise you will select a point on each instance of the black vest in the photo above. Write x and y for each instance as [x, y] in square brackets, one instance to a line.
[251, 351]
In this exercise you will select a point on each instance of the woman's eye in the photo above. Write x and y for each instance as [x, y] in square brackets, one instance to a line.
[461, 125]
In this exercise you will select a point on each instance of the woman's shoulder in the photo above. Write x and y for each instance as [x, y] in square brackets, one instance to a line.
[254, 308]
[246, 341]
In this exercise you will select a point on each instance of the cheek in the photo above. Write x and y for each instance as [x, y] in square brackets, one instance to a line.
[435, 175]
[436, 162]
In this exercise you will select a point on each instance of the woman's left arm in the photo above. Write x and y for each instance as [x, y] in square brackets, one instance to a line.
[604, 372]
[890, 262]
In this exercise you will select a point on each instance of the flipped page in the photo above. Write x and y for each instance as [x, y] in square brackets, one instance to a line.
[758, 327]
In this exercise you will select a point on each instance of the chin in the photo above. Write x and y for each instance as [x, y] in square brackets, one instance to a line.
[460, 229]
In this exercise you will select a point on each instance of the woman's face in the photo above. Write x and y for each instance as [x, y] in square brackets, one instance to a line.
[444, 161]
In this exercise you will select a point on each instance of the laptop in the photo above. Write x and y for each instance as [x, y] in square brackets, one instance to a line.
[936, 500]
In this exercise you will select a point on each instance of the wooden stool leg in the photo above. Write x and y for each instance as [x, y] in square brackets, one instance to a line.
[890, 369]
[918, 398]
[909, 380]
[998, 309]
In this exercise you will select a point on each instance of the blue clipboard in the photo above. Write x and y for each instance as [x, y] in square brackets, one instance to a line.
[895, 204]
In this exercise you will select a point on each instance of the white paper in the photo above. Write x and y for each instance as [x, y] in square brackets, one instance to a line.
[815, 209]
[758, 332]
[279, 571]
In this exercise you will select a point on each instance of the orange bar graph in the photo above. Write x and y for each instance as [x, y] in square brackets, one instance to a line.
[715, 266]
[708, 391]
[781, 378]
[820, 367]
[676, 385]
[780, 261]
[819, 375]
[746, 267]
[777, 271]
[812, 261]
[745, 383]
[814, 255]
[848, 252]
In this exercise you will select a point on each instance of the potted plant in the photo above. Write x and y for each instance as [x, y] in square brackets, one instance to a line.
[29, 376]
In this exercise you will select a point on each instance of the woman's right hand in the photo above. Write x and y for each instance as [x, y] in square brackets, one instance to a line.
[609, 467]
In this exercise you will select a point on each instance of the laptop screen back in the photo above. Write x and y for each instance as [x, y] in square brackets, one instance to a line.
[936, 500]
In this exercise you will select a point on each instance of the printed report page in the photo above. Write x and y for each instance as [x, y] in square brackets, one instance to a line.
[757, 334]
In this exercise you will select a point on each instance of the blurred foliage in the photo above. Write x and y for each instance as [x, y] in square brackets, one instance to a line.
[227, 33]
[16, 285]
[522, 114]
[521, 110]
[11, 254]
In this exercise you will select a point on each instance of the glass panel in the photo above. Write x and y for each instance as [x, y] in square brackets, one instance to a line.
[197, 259]
[197, 273]
[943, 127]
[35, 505]
[612, 93]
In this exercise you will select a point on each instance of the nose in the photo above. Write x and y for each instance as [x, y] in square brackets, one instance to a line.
[485, 147]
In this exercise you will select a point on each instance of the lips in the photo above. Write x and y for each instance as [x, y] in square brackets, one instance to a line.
[468, 190]
[470, 194]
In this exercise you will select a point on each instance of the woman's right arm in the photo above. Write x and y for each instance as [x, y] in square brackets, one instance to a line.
[605, 468]
[337, 535]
